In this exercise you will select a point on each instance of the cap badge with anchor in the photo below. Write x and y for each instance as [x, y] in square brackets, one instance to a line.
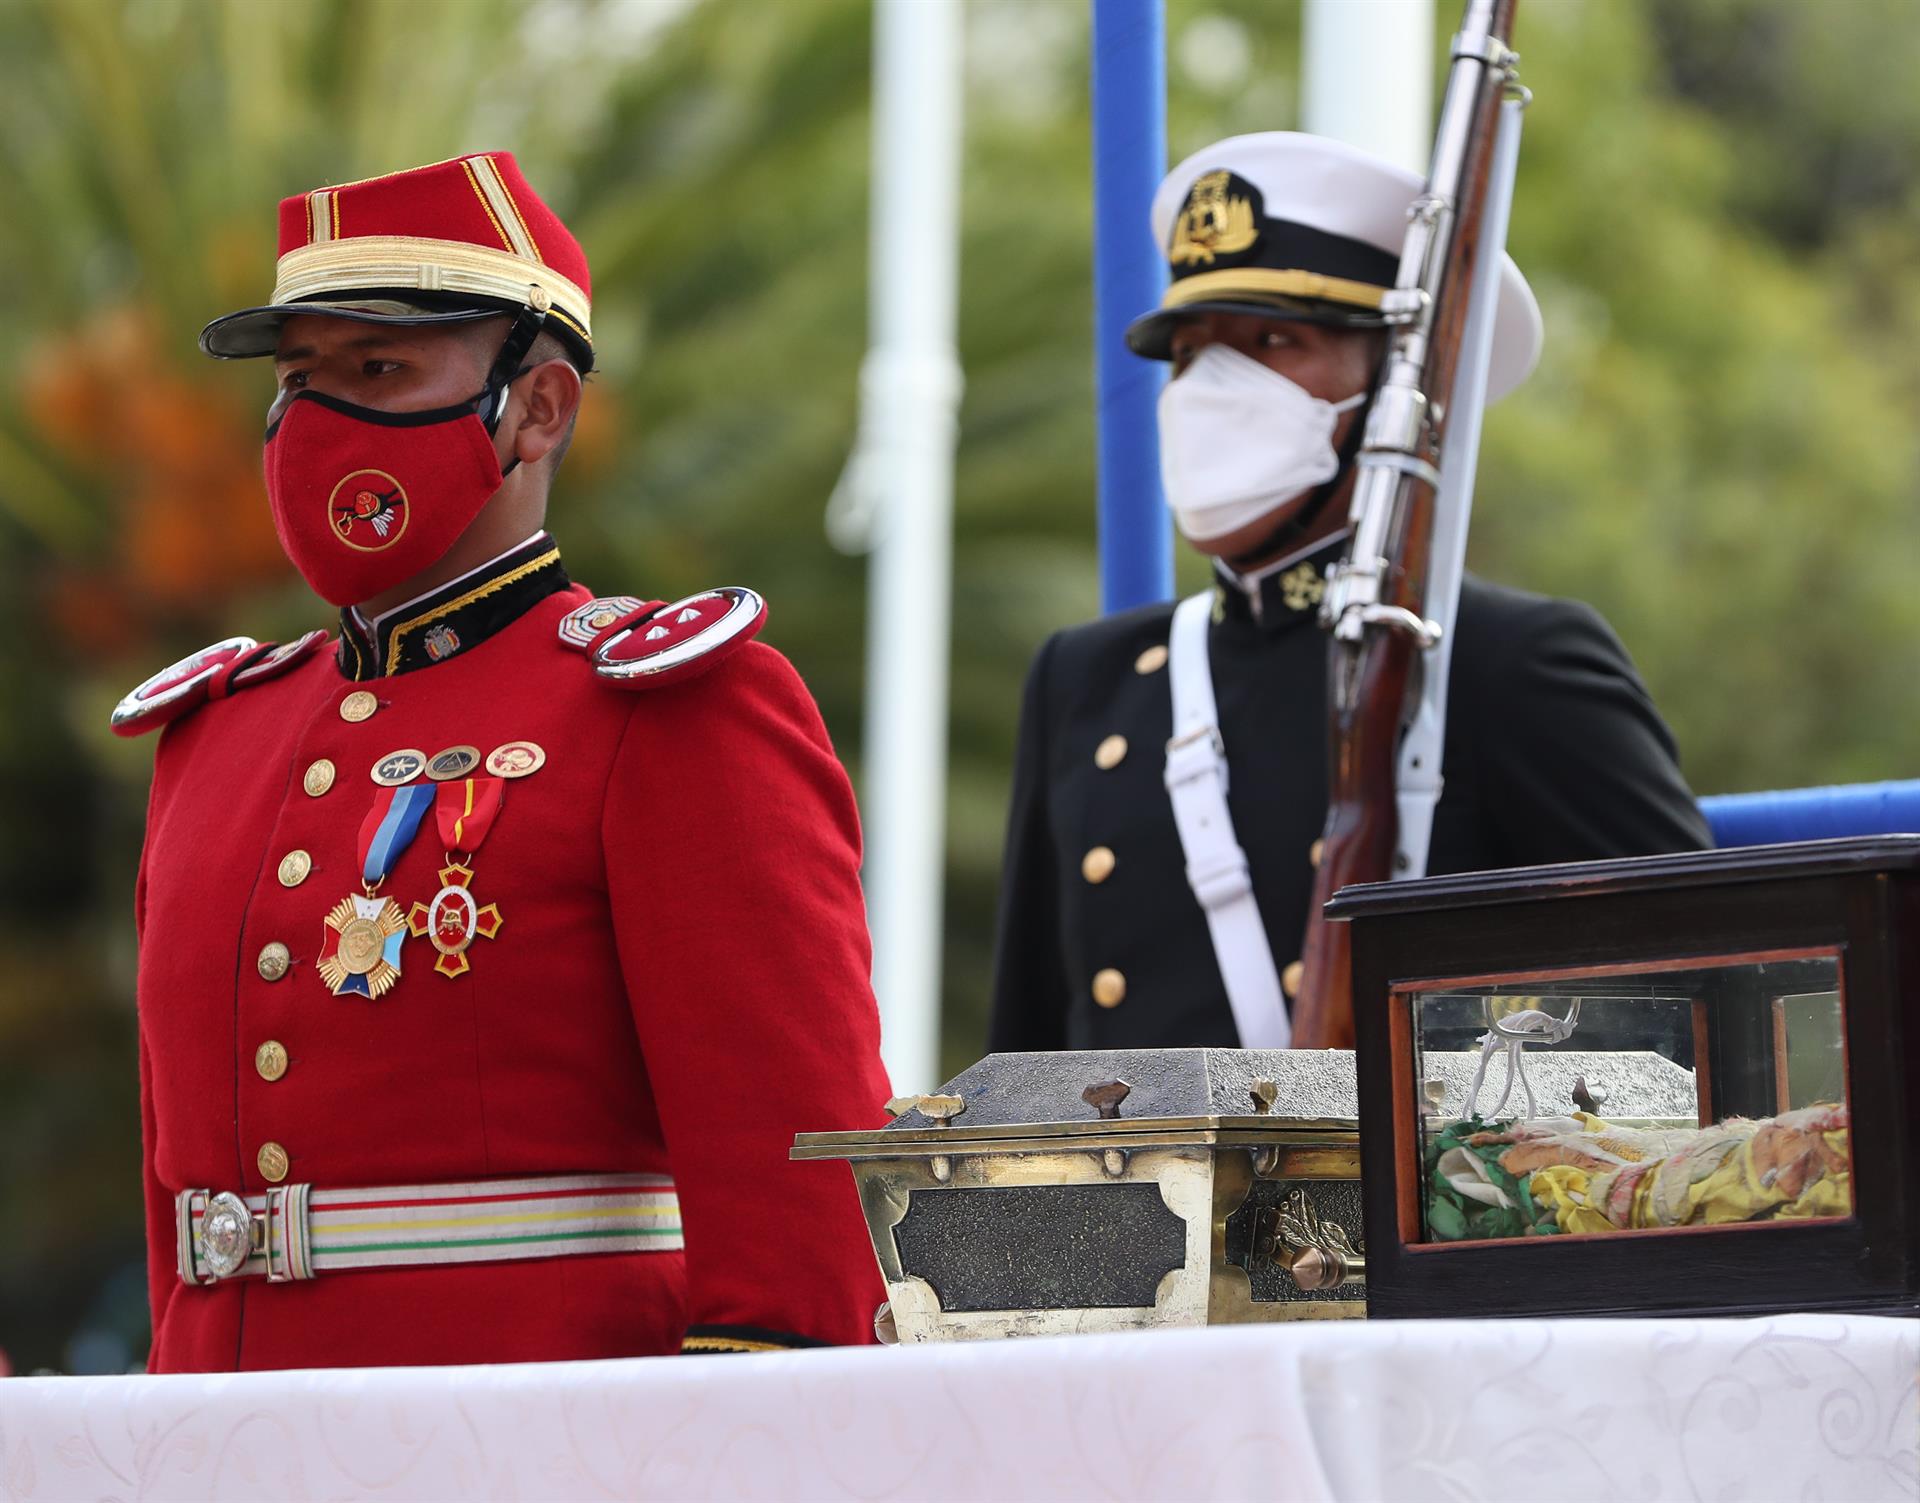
[1215, 222]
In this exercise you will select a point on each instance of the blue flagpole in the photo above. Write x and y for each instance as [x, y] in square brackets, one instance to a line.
[1129, 87]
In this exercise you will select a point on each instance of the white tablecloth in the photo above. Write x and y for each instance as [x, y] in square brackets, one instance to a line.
[1796, 1407]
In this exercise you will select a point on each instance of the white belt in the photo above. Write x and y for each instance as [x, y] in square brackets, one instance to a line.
[1196, 779]
[295, 1231]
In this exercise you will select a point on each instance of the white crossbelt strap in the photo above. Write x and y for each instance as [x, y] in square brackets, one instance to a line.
[1217, 871]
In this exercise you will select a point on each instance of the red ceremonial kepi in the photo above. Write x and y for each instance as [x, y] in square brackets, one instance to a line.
[374, 1143]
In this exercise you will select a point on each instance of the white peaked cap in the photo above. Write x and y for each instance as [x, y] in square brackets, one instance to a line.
[1322, 242]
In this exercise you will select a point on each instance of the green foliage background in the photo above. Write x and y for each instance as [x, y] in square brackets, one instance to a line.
[1717, 207]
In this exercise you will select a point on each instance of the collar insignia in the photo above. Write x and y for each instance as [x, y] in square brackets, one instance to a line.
[1303, 586]
[454, 619]
[1214, 221]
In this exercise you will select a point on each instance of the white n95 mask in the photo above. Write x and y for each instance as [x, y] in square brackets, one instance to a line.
[1238, 441]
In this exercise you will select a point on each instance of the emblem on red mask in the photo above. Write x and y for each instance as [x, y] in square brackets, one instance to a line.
[368, 510]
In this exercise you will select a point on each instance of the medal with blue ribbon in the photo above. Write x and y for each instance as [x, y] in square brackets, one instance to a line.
[360, 950]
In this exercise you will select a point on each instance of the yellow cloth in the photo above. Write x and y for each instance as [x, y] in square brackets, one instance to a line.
[1563, 1189]
[1736, 1191]
[1716, 1178]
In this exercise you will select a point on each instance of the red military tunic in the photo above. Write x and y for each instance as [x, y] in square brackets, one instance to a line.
[678, 985]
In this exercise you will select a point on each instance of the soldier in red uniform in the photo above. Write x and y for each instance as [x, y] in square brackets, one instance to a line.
[492, 951]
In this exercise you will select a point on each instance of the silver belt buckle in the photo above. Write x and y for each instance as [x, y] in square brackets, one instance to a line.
[227, 1234]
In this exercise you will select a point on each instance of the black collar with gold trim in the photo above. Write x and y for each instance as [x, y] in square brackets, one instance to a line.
[453, 619]
[1280, 594]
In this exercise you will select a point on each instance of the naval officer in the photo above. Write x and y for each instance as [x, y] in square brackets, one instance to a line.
[1280, 247]
[493, 949]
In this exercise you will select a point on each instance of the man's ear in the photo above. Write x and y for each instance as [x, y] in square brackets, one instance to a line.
[549, 397]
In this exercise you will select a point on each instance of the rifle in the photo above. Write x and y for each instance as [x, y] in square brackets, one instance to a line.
[1375, 605]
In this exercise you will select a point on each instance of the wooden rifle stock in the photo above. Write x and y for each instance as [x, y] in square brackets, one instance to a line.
[1371, 673]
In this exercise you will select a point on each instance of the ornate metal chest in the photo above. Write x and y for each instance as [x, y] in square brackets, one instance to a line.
[1108, 1190]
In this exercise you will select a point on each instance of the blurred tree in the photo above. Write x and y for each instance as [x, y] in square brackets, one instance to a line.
[1717, 207]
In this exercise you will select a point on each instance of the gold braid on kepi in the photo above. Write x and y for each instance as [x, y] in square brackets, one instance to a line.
[447, 243]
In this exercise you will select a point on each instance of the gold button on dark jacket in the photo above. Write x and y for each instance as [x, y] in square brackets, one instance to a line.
[319, 777]
[1097, 865]
[358, 705]
[294, 867]
[273, 1162]
[270, 1059]
[1109, 988]
[273, 961]
[1110, 753]
[1554, 752]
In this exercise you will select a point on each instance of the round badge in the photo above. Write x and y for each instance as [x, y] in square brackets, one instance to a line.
[454, 762]
[362, 942]
[398, 767]
[516, 759]
[368, 511]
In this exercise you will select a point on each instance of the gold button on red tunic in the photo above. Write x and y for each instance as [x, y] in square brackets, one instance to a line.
[270, 1060]
[649, 953]
[273, 961]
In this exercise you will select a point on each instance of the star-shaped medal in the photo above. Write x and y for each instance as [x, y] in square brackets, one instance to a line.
[360, 950]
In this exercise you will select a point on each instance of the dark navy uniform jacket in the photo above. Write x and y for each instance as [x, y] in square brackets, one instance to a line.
[1554, 752]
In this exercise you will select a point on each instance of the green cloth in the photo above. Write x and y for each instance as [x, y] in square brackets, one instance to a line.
[1453, 1217]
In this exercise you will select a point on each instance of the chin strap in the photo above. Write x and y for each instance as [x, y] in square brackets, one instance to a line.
[1288, 535]
[506, 369]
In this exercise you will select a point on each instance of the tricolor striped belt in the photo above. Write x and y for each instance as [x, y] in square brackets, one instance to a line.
[296, 1232]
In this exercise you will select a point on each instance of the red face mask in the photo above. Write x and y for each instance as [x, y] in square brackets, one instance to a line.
[364, 500]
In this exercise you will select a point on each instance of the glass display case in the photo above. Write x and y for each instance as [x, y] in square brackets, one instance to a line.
[1631, 1085]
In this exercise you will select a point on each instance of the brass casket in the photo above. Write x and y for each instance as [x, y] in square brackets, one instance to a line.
[1103, 1190]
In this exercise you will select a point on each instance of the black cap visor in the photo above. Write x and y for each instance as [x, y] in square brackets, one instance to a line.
[253, 332]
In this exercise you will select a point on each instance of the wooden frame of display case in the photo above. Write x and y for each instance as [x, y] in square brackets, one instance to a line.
[1857, 899]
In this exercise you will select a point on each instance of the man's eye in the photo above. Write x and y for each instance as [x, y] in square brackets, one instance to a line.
[293, 380]
[1272, 339]
[380, 367]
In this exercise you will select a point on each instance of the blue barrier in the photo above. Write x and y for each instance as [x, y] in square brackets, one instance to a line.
[1129, 86]
[1814, 813]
